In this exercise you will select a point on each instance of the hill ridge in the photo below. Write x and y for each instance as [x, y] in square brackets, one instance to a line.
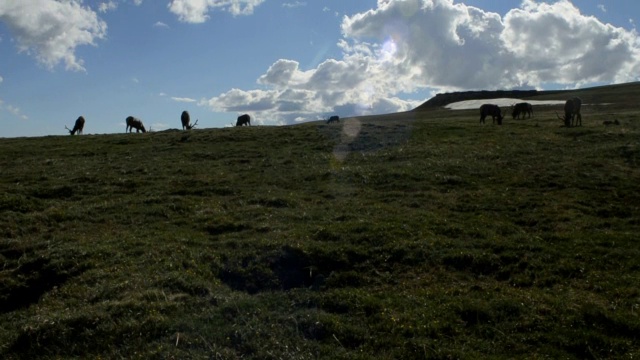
[443, 99]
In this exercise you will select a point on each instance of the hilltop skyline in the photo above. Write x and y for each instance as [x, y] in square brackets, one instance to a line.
[285, 62]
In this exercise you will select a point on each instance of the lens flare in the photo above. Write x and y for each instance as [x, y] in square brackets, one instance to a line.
[350, 130]
[388, 50]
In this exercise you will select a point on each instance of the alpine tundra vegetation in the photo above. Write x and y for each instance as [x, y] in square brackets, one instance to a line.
[415, 235]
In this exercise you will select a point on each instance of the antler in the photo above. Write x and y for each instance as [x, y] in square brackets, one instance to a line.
[562, 119]
[194, 124]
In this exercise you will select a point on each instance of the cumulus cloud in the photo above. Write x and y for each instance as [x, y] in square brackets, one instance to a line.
[160, 24]
[107, 6]
[196, 11]
[335, 86]
[556, 43]
[51, 30]
[401, 47]
[455, 46]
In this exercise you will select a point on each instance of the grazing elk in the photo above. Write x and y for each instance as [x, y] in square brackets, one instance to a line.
[133, 123]
[244, 120]
[491, 110]
[572, 112]
[334, 118]
[77, 128]
[186, 121]
[523, 108]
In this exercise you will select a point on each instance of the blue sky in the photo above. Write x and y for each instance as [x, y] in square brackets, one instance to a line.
[287, 61]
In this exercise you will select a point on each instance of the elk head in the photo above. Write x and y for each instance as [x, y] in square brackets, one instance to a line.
[191, 126]
[566, 120]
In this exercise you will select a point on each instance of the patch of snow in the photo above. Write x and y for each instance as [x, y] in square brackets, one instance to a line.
[502, 102]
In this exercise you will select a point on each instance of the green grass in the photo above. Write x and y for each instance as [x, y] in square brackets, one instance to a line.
[422, 235]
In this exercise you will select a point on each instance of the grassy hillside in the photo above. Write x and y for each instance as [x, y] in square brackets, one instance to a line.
[421, 235]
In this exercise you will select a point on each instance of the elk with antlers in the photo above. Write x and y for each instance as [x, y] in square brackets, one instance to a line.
[186, 121]
[133, 123]
[77, 128]
[572, 112]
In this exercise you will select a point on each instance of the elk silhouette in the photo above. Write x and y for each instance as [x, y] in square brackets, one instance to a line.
[186, 121]
[77, 128]
[334, 118]
[244, 120]
[523, 108]
[490, 110]
[572, 112]
[134, 123]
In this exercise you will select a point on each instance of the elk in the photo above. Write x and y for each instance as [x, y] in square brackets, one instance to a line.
[77, 128]
[572, 112]
[244, 120]
[493, 111]
[334, 118]
[186, 121]
[133, 123]
[523, 108]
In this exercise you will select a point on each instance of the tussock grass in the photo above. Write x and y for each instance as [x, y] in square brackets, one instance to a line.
[415, 235]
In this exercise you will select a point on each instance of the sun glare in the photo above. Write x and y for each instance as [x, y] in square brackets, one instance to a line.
[389, 50]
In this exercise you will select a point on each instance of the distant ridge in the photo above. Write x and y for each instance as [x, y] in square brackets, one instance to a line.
[626, 92]
[441, 100]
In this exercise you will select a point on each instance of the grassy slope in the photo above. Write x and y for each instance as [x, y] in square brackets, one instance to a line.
[416, 235]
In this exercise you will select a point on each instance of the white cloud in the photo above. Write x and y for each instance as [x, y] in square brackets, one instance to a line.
[556, 43]
[450, 45]
[196, 11]
[1, 79]
[294, 4]
[437, 45]
[51, 30]
[181, 99]
[160, 24]
[283, 73]
[107, 6]
[112, 5]
[602, 8]
[15, 111]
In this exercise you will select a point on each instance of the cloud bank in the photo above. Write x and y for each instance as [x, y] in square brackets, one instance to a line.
[406, 46]
[52, 30]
